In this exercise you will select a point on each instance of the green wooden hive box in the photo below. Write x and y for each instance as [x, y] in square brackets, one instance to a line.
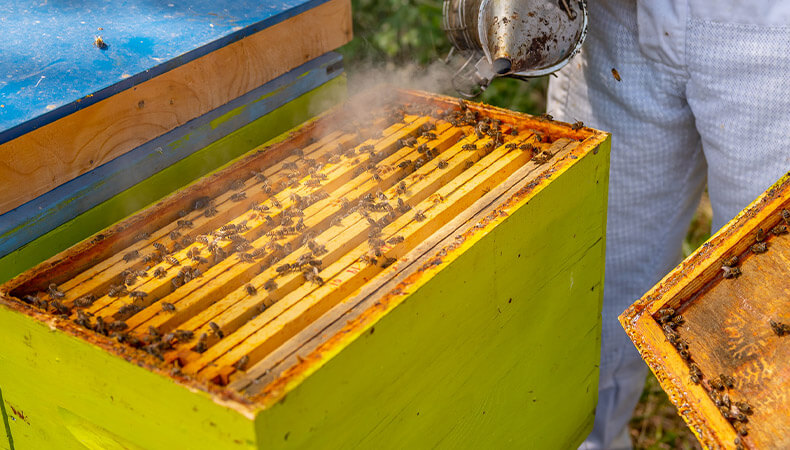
[404, 271]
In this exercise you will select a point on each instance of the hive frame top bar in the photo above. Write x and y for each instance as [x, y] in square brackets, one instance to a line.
[686, 284]
[46, 46]
[106, 243]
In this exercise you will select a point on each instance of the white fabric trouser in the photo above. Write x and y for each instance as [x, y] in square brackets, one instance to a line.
[705, 94]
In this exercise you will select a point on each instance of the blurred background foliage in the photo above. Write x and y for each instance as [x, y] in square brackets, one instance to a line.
[396, 33]
[409, 32]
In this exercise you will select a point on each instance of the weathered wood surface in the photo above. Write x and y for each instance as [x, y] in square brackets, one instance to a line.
[75, 144]
[727, 326]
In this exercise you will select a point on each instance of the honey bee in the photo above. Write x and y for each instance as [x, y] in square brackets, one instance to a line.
[428, 135]
[786, 216]
[184, 223]
[731, 261]
[236, 185]
[461, 104]
[127, 310]
[141, 236]
[201, 345]
[210, 211]
[117, 325]
[216, 329]
[744, 407]
[577, 126]
[779, 328]
[171, 260]
[85, 301]
[100, 327]
[376, 177]
[160, 272]
[760, 235]
[741, 429]
[270, 285]
[82, 319]
[138, 294]
[131, 255]
[779, 230]
[184, 335]
[241, 364]
[200, 203]
[442, 164]
[419, 216]
[168, 307]
[160, 247]
[543, 157]
[239, 196]
[716, 384]
[730, 272]
[388, 262]
[760, 247]
[99, 43]
[276, 203]
[694, 369]
[546, 116]
[694, 379]
[250, 289]
[245, 257]
[403, 206]
[616, 74]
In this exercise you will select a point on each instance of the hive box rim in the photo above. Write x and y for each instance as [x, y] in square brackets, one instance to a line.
[589, 141]
[698, 269]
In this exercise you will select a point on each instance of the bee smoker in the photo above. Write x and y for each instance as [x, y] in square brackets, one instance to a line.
[511, 38]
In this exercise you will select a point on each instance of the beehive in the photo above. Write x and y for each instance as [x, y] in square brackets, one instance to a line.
[244, 284]
[731, 299]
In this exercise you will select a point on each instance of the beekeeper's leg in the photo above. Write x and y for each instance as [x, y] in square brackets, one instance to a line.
[739, 90]
[657, 175]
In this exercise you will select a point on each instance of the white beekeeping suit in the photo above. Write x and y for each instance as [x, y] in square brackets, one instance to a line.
[705, 95]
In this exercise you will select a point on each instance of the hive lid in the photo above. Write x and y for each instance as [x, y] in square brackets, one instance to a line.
[727, 327]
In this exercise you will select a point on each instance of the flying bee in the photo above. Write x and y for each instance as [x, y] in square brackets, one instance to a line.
[577, 126]
[730, 272]
[241, 364]
[168, 307]
[616, 74]
[216, 329]
[419, 216]
[131, 255]
[760, 247]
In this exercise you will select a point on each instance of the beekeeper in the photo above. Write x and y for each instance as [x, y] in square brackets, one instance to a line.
[693, 91]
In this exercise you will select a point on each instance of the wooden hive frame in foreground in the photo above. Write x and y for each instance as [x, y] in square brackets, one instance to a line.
[245, 284]
[713, 330]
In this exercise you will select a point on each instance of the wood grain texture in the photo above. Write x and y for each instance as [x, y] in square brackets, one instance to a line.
[73, 145]
[727, 326]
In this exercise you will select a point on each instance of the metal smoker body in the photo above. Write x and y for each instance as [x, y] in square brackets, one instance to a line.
[512, 38]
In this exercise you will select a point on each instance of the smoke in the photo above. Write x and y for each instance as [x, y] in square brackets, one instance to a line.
[435, 77]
